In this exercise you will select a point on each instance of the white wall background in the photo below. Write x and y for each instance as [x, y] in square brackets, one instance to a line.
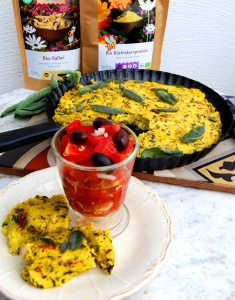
[199, 43]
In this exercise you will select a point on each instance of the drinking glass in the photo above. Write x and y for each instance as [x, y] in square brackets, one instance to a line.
[96, 194]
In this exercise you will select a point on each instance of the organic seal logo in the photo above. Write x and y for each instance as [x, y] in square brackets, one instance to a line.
[27, 1]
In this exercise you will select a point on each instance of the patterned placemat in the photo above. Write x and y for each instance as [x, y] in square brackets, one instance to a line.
[216, 171]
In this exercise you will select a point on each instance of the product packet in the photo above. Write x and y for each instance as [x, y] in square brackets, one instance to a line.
[122, 34]
[49, 38]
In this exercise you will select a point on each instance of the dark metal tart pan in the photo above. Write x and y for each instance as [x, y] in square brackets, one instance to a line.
[151, 164]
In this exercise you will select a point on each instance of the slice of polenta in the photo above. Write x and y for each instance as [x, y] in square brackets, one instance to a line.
[47, 267]
[33, 218]
[100, 242]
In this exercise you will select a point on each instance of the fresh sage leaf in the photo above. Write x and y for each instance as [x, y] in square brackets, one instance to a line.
[64, 246]
[156, 152]
[165, 96]
[77, 76]
[54, 82]
[76, 109]
[9, 110]
[107, 109]
[48, 241]
[193, 134]
[36, 105]
[108, 80]
[212, 119]
[25, 112]
[75, 240]
[131, 94]
[33, 98]
[165, 109]
[84, 90]
[66, 72]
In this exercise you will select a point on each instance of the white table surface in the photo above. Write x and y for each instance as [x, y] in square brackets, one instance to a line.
[201, 260]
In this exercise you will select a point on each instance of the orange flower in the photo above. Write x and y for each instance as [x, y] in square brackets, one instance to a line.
[120, 4]
[103, 13]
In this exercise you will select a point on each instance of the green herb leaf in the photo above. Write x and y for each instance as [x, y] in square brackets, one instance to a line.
[54, 82]
[75, 239]
[77, 76]
[212, 119]
[66, 72]
[156, 152]
[76, 109]
[25, 112]
[84, 90]
[110, 80]
[165, 96]
[48, 241]
[193, 134]
[131, 94]
[37, 105]
[33, 98]
[107, 109]
[97, 85]
[9, 110]
[165, 109]
[64, 246]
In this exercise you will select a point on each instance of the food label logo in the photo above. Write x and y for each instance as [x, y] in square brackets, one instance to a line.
[127, 65]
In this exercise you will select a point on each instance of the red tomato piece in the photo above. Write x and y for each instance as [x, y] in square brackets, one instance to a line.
[21, 219]
[129, 149]
[75, 153]
[63, 143]
[117, 157]
[117, 127]
[47, 247]
[94, 139]
[106, 146]
[86, 163]
[73, 126]
[110, 129]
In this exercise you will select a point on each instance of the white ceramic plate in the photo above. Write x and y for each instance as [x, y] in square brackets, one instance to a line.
[140, 250]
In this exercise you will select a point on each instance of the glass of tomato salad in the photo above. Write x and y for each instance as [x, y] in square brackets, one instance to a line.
[95, 159]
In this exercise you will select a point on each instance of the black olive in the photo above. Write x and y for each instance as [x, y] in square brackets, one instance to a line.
[101, 160]
[63, 88]
[58, 92]
[121, 139]
[99, 121]
[79, 137]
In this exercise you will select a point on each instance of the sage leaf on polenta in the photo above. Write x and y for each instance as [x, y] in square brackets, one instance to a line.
[165, 96]
[131, 94]
[193, 134]
[64, 246]
[75, 240]
[165, 109]
[48, 241]
[156, 152]
[107, 109]
[212, 119]
[91, 87]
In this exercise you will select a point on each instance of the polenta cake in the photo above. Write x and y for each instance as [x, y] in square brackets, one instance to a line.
[172, 118]
[33, 218]
[50, 262]
[100, 242]
[54, 252]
